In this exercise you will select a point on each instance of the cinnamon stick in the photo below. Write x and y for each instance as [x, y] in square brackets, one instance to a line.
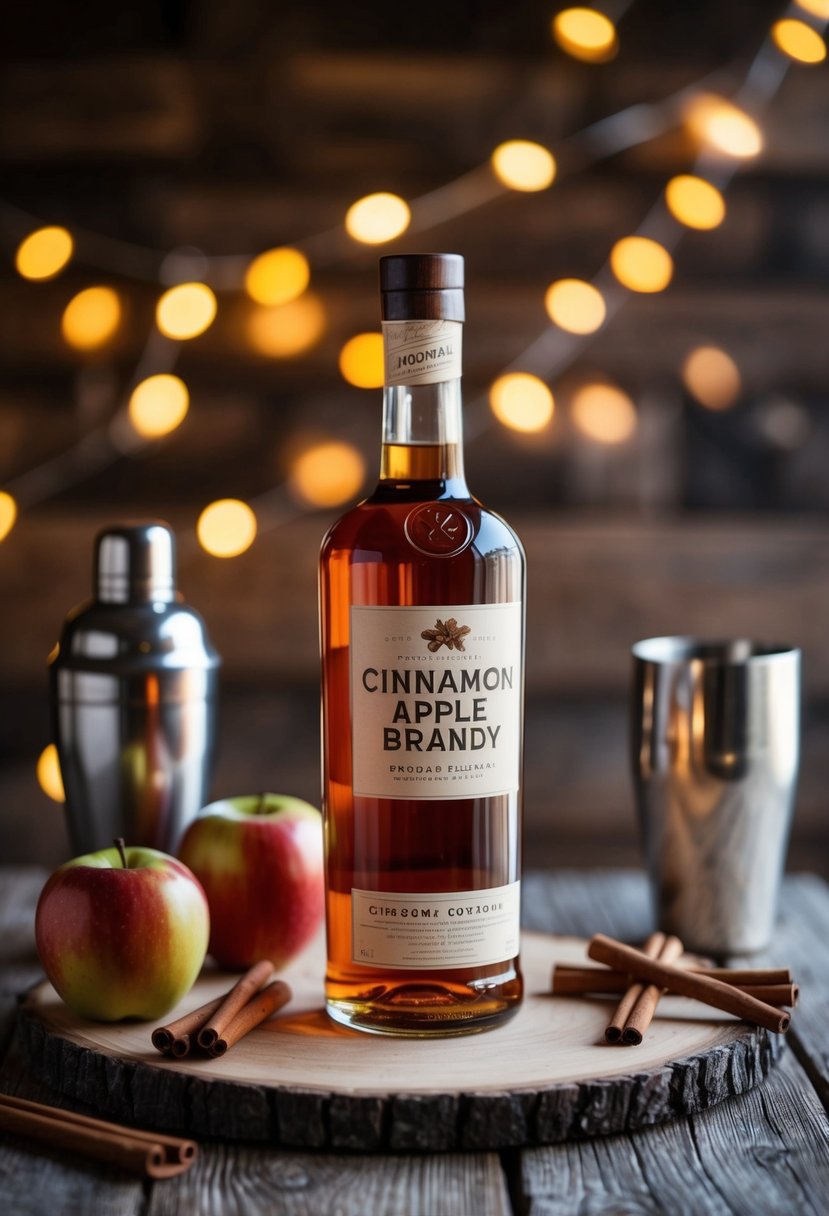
[140, 1152]
[640, 1015]
[572, 980]
[701, 987]
[773, 994]
[250, 1015]
[175, 1038]
[644, 1007]
[236, 999]
[653, 947]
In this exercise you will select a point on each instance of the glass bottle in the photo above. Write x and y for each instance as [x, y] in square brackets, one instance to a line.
[422, 633]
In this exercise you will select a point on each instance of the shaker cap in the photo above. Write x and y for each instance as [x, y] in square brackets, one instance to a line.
[422, 287]
[135, 563]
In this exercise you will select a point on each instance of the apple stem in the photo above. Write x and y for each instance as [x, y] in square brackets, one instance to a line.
[260, 806]
[122, 853]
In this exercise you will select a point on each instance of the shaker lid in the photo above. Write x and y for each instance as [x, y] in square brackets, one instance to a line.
[135, 563]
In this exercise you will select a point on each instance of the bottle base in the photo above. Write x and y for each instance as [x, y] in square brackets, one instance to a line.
[423, 1022]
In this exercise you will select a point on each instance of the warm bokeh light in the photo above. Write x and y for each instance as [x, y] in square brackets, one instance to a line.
[48, 774]
[604, 413]
[91, 318]
[44, 253]
[226, 527]
[522, 402]
[158, 405]
[8, 513]
[585, 34]
[720, 124]
[712, 376]
[575, 306]
[185, 311]
[277, 276]
[818, 8]
[798, 40]
[523, 165]
[287, 330]
[694, 202]
[377, 218]
[361, 360]
[641, 264]
[328, 474]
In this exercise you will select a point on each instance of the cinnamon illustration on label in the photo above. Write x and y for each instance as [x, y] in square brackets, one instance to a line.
[446, 633]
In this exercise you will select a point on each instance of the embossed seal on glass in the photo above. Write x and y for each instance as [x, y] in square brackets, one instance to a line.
[438, 529]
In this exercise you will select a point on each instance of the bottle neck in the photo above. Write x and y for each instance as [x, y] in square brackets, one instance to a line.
[423, 435]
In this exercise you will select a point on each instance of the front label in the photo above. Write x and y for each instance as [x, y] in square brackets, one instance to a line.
[422, 352]
[436, 700]
[435, 930]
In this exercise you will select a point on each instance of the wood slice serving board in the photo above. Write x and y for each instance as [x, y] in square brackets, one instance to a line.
[303, 1080]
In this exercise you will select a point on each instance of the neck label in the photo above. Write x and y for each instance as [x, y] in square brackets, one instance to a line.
[422, 352]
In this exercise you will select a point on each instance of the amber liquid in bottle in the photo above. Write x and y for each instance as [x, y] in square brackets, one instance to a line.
[413, 844]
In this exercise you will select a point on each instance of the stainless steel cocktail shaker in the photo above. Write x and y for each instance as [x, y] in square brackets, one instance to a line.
[133, 688]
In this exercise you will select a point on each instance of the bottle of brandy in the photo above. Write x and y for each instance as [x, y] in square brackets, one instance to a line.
[422, 630]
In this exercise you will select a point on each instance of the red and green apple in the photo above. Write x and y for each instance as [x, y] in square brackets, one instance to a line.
[122, 933]
[260, 861]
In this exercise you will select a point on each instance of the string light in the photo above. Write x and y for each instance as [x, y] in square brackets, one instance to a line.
[723, 126]
[361, 360]
[712, 376]
[641, 264]
[185, 311]
[377, 218]
[604, 413]
[798, 40]
[695, 202]
[328, 474]
[44, 253]
[8, 514]
[521, 402]
[49, 776]
[91, 318]
[158, 405]
[585, 34]
[576, 306]
[277, 276]
[287, 330]
[226, 527]
[716, 122]
[523, 165]
[817, 8]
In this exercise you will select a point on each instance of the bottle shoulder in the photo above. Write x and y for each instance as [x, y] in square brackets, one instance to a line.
[383, 526]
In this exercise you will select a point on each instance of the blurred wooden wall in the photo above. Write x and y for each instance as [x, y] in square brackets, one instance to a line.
[231, 129]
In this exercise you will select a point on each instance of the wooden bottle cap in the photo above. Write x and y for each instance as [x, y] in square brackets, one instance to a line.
[422, 287]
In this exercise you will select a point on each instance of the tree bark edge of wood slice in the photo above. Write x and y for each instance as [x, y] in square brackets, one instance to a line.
[530, 1082]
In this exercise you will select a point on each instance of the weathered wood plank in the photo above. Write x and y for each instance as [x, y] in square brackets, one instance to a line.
[802, 942]
[762, 1154]
[247, 1181]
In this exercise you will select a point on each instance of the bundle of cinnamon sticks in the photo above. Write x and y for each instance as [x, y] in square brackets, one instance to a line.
[215, 1027]
[642, 977]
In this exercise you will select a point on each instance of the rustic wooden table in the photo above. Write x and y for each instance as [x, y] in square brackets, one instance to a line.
[766, 1151]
